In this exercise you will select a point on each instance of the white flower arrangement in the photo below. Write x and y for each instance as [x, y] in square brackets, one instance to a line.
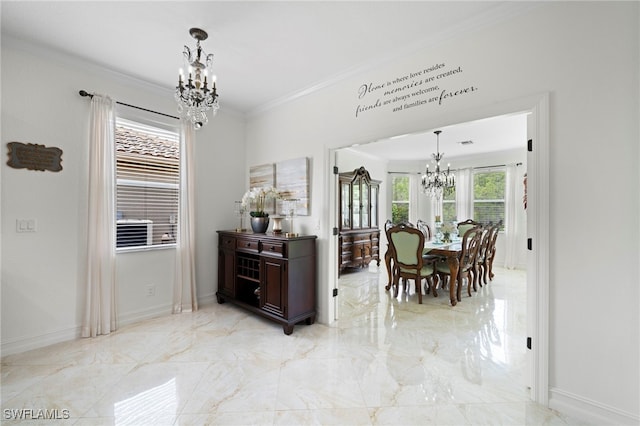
[447, 228]
[258, 197]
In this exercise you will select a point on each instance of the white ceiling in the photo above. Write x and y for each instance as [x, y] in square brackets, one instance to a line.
[489, 135]
[265, 51]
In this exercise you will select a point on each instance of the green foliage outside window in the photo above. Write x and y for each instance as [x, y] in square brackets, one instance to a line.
[400, 199]
[400, 188]
[449, 207]
[489, 185]
[488, 192]
[399, 212]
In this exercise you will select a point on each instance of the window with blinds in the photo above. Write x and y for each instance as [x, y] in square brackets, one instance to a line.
[449, 207]
[147, 185]
[489, 195]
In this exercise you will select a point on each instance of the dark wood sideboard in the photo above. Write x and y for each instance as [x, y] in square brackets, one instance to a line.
[270, 275]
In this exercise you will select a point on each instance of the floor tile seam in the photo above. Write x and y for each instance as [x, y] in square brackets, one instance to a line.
[90, 406]
[438, 404]
[26, 364]
[183, 404]
[196, 387]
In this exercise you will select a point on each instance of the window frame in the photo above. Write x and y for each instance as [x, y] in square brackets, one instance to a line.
[168, 126]
[503, 200]
[448, 202]
[406, 202]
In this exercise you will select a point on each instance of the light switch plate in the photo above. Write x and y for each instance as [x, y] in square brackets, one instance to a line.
[26, 225]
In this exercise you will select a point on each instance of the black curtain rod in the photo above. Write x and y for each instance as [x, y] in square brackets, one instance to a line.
[497, 165]
[84, 93]
[455, 170]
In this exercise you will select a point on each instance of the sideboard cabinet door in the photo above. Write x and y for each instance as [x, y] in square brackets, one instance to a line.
[226, 268]
[273, 297]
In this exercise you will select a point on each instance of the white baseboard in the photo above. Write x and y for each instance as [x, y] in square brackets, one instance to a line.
[15, 346]
[589, 410]
[207, 300]
[135, 317]
[24, 344]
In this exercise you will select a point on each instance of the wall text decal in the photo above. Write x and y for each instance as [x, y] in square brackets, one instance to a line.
[34, 157]
[417, 88]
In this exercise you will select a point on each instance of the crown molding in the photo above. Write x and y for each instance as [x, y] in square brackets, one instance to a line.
[76, 62]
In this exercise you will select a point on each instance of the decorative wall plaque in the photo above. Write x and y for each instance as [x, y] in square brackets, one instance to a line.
[34, 157]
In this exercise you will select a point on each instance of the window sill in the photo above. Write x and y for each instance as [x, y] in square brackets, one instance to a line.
[121, 250]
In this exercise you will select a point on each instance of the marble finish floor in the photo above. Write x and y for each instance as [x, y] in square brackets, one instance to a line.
[387, 361]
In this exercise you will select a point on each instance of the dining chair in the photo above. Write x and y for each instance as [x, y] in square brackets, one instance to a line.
[425, 229]
[407, 244]
[491, 252]
[464, 226]
[388, 256]
[427, 258]
[481, 266]
[470, 245]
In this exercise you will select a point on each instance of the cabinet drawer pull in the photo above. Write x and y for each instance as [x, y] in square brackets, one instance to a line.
[248, 244]
[273, 248]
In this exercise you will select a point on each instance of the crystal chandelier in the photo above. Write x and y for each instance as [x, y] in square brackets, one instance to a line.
[194, 97]
[437, 183]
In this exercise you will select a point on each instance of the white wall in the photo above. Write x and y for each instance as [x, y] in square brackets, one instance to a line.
[43, 272]
[585, 55]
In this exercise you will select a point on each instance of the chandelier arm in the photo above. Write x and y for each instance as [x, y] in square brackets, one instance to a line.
[438, 182]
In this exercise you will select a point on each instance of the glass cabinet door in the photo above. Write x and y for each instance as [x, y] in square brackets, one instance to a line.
[359, 200]
[345, 201]
[366, 207]
[374, 206]
[356, 205]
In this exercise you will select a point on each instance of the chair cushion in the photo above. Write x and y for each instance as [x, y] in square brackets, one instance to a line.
[426, 270]
[464, 228]
[444, 268]
[405, 245]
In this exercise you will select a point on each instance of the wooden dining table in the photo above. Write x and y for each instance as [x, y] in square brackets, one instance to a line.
[451, 252]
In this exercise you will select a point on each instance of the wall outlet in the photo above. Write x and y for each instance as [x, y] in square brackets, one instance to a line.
[151, 290]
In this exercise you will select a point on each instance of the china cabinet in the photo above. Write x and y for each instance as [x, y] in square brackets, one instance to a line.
[359, 235]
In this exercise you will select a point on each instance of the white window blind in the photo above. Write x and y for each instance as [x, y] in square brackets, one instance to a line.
[489, 195]
[148, 184]
[449, 207]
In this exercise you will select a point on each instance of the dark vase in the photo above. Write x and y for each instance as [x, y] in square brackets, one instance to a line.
[259, 225]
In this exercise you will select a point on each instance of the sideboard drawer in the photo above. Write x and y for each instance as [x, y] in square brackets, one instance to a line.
[273, 248]
[247, 245]
[227, 242]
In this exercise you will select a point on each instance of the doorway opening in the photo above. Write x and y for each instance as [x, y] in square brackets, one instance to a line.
[537, 219]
